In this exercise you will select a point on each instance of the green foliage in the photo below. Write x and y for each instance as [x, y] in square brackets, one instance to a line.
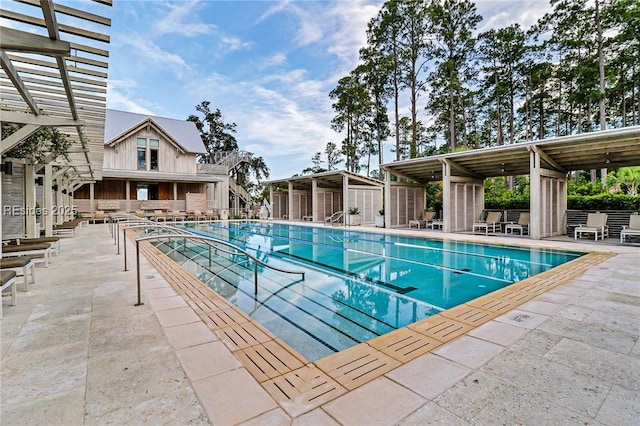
[37, 147]
[354, 210]
[603, 202]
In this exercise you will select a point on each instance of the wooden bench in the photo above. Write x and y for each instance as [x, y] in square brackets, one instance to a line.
[55, 241]
[8, 280]
[21, 264]
[41, 250]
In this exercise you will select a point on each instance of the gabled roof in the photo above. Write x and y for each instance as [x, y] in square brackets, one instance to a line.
[120, 124]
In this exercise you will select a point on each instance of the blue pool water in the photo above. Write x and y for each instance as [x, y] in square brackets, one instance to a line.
[358, 285]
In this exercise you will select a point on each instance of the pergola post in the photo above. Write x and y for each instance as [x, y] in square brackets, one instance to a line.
[30, 200]
[48, 200]
[128, 195]
[92, 197]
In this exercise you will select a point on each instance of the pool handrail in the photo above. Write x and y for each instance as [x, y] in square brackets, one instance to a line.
[209, 241]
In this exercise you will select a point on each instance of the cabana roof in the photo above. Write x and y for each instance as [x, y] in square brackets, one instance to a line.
[603, 149]
[54, 73]
[332, 179]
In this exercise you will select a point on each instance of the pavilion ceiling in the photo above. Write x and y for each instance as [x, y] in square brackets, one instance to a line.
[604, 149]
[53, 61]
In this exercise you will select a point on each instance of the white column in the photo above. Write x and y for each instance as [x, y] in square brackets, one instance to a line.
[290, 200]
[92, 196]
[345, 194]
[387, 200]
[48, 200]
[446, 198]
[59, 202]
[30, 200]
[271, 201]
[128, 195]
[535, 197]
[314, 198]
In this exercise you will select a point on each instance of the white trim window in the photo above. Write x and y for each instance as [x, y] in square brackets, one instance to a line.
[148, 153]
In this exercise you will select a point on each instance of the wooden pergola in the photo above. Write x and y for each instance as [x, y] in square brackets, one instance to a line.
[547, 162]
[54, 74]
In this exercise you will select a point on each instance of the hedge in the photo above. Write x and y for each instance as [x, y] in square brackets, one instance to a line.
[574, 202]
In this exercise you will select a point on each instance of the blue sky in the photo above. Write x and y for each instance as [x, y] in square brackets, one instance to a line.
[267, 65]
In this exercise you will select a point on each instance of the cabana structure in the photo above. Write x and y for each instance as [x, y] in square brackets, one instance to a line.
[318, 196]
[547, 162]
[54, 74]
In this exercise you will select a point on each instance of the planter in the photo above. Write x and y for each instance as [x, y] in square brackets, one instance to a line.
[379, 220]
[353, 219]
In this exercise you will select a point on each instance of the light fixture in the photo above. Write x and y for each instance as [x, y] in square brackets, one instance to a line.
[433, 175]
[502, 169]
[7, 168]
[54, 188]
[39, 180]
[607, 160]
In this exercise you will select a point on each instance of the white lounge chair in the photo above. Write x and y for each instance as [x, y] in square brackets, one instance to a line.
[596, 225]
[522, 226]
[491, 223]
[633, 229]
[427, 217]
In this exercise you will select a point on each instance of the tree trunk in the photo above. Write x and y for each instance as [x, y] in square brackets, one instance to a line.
[603, 115]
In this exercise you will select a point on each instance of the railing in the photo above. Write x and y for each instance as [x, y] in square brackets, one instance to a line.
[209, 241]
[231, 159]
[239, 190]
[335, 218]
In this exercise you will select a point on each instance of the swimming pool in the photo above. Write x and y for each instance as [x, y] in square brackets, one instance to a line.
[358, 285]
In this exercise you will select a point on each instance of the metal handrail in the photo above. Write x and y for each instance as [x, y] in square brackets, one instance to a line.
[209, 241]
[145, 223]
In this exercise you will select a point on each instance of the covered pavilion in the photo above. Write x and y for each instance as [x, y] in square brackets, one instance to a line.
[317, 196]
[547, 162]
[54, 74]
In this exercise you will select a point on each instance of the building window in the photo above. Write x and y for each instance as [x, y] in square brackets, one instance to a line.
[142, 158]
[148, 154]
[154, 145]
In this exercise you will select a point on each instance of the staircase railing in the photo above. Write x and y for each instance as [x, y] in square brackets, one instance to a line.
[231, 159]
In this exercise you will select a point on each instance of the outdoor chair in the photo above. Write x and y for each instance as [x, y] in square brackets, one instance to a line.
[198, 215]
[490, 224]
[99, 215]
[55, 241]
[140, 213]
[521, 226]
[211, 215]
[427, 217]
[633, 229]
[596, 225]
[159, 215]
[177, 215]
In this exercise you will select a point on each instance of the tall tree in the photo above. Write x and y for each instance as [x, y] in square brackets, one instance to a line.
[217, 136]
[453, 24]
[333, 155]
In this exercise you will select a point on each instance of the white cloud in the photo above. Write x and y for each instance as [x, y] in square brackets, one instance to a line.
[279, 58]
[119, 97]
[182, 19]
[230, 44]
[152, 53]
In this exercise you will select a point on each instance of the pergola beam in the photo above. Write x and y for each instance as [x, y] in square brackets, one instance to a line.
[40, 120]
[455, 166]
[15, 138]
[545, 157]
[8, 68]
[20, 41]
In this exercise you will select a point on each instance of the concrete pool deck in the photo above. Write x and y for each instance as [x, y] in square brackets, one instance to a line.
[75, 350]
